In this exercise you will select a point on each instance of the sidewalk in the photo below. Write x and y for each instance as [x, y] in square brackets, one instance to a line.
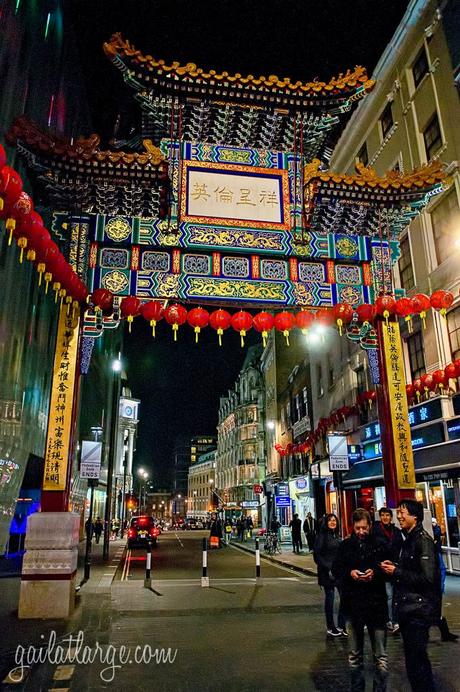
[301, 563]
[102, 573]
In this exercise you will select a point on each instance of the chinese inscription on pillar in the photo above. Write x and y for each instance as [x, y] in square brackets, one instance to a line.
[399, 412]
[62, 395]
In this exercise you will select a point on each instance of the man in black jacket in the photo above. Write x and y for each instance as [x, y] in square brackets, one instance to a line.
[417, 593]
[389, 537]
[363, 599]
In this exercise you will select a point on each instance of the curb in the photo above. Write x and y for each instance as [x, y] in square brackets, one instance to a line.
[276, 561]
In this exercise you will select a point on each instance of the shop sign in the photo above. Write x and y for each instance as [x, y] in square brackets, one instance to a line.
[426, 412]
[372, 450]
[282, 489]
[283, 501]
[250, 504]
[338, 453]
[315, 470]
[354, 453]
[301, 483]
[453, 429]
[428, 435]
[61, 405]
[257, 489]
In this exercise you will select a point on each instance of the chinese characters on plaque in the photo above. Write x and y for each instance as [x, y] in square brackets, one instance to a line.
[62, 393]
[399, 410]
[229, 195]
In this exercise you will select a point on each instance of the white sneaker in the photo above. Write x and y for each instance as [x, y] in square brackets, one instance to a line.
[334, 632]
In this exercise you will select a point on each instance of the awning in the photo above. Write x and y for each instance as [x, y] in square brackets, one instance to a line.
[370, 472]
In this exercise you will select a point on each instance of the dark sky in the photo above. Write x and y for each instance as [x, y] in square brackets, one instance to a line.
[179, 384]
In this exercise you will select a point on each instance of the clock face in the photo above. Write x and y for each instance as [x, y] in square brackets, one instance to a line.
[128, 411]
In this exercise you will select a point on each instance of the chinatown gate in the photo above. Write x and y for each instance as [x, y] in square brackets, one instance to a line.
[222, 199]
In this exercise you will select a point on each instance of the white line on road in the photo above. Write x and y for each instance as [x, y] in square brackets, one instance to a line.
[181, 544]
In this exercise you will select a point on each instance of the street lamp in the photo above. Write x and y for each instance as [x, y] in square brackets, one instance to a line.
[116, 367]
[143, 475]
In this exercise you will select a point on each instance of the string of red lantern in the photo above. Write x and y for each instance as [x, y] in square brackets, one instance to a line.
[26, 226]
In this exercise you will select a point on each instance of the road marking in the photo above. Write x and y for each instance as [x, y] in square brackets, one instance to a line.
[181, 544]
[125, 565]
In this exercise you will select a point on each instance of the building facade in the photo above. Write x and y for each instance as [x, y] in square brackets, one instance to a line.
[410, 119]
[201, 499]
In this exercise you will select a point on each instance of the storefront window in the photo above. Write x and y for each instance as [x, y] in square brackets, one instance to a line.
[452, 511]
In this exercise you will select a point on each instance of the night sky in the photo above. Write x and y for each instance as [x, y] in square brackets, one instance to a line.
[179, 384]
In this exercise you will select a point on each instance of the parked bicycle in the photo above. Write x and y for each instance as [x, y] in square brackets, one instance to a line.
[272, 544]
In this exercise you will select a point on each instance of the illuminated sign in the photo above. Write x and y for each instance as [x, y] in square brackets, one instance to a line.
[282, 501]
[250, 504]
[301, 483]
[282, 489]
[453, 429]
[418, 415]
[236, 195]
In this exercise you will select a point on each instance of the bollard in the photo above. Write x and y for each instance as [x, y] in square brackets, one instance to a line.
[257, 558]
[148, 565]
[204, 577]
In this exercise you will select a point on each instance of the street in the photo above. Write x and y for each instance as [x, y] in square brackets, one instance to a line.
[238, 634]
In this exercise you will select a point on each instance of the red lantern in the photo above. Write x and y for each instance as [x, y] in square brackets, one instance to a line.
[220, 320]
[46, 251]
[410, 391]
[404, 309]
[263, 322]
[325, 317]
[198, 318]
[10, 189]
[442, 300]
[418, 386]
[343, 313]
[20, 212]
[420, 304]
[440, 379]
[175, 315]
[152, 312]
[451, 371]
[366, 313]
[102, 299]
[129, 308]
[370, 396]
[428, 383]
[385, 306]
[304, 320]
[457, 366]
[2, 156]
[242, 323]
[284, 322]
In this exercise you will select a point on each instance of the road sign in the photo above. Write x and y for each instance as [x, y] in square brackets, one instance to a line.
[282, 501]
[90, 463]
[338, 453]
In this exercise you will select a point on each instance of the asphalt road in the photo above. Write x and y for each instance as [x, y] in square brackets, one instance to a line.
[179, 554]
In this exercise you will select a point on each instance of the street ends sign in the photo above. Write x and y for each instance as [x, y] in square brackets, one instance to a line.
[338, 453]
[90, 464]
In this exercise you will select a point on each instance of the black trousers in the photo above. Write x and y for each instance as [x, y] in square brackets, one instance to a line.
[418, 666]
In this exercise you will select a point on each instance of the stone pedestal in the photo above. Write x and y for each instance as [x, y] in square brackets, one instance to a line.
[50, 565]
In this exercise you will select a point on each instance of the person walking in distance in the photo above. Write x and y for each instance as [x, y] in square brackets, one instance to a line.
[309, 529]
[417, 583]
[98, 528]
[446, 634]
[296, 531]
[325, 550]
[364, 600]
[390, 539]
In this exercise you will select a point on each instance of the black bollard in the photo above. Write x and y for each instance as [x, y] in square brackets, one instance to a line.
[257, 558]
[204, 576]
[148, 565]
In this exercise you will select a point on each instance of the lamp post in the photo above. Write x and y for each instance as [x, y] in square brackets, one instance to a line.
[143, 476]
[116, 370]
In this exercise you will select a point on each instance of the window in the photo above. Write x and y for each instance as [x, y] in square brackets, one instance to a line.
[363, 156]
[361, 380]
[445, 219]
[453, 326]
[432, 137]
[406, 271]
[420, 67]
[416, 355]
[386, 120]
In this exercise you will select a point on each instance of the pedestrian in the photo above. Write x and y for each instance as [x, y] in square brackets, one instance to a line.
[325, 550]
[249, 526]
[390, 539]
[89, 529]
[228, 530]
[215, 531]
[98, 528]
[114, 527]
[240, 528]
[296, 528]
[417, 582]
[446, 634]
[364, 600]
[310, 530]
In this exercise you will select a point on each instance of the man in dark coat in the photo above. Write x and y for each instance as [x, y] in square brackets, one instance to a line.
[417, 584]
[390, 539]
[310, 530]
[296, 531]
[364, 600]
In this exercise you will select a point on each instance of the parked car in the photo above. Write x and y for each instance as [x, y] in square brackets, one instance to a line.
[141, 530]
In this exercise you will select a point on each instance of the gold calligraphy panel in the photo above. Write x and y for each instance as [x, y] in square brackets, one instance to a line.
[402, 441]
[62, 395]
